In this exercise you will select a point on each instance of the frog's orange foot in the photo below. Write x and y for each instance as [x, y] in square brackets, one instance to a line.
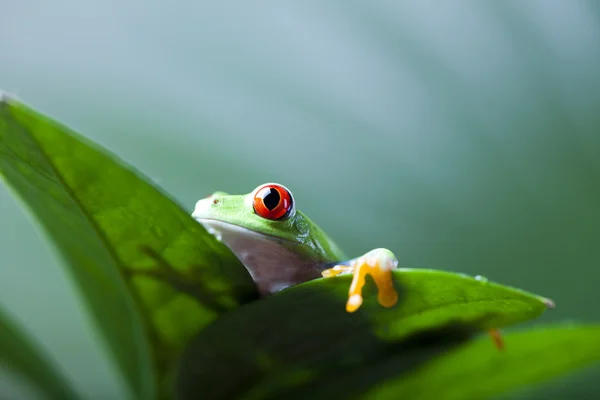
[497, 338]
[378, 263]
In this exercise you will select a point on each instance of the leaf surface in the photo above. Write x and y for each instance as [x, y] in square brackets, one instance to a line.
[101, 214]
[302, 342]
[474, 371]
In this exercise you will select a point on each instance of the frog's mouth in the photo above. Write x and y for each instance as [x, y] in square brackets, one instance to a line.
[226, 232]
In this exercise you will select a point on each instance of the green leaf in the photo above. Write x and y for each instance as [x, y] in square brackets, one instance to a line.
[474, 371]
[101, 214]
[302, 342]
[21, 355]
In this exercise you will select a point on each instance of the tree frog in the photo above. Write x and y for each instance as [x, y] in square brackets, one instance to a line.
[281, 247]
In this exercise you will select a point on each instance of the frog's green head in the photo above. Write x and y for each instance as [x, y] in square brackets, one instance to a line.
[268, 212]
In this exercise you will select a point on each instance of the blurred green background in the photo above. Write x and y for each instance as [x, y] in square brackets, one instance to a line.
[462, 135]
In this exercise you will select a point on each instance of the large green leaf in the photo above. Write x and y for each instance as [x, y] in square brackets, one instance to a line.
[474, 371]
[302, 342]
[22, 356]
[100, 213]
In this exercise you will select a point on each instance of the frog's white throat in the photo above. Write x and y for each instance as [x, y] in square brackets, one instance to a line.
[272, 265]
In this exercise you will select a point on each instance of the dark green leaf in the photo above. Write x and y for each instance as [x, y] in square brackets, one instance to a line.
[302, 342]
[474, 371]
[22, 356]
[100, 214]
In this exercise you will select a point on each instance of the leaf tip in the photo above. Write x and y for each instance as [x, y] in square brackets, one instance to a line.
[4, 97]
[549, 303]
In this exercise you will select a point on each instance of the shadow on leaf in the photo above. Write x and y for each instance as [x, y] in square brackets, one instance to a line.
[283, 349]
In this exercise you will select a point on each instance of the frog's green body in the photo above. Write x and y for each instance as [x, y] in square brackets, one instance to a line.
[277, 253]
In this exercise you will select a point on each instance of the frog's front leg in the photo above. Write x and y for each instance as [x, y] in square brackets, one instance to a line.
[378, 263]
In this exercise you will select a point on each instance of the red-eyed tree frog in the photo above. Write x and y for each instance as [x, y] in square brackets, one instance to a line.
[282, 247]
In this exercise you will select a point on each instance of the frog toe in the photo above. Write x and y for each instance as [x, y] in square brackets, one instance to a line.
[335, 271]
[497, 338]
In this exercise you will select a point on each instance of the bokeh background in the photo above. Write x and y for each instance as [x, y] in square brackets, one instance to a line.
[463, 135]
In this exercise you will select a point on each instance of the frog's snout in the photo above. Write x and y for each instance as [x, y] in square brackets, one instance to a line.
[203, 207]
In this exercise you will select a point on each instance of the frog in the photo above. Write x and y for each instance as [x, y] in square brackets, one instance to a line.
[280, 246]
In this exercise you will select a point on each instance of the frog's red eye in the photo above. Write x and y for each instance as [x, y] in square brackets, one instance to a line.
[273, 201]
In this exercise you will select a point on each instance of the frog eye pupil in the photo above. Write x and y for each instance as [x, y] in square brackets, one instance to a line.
[272, 199]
